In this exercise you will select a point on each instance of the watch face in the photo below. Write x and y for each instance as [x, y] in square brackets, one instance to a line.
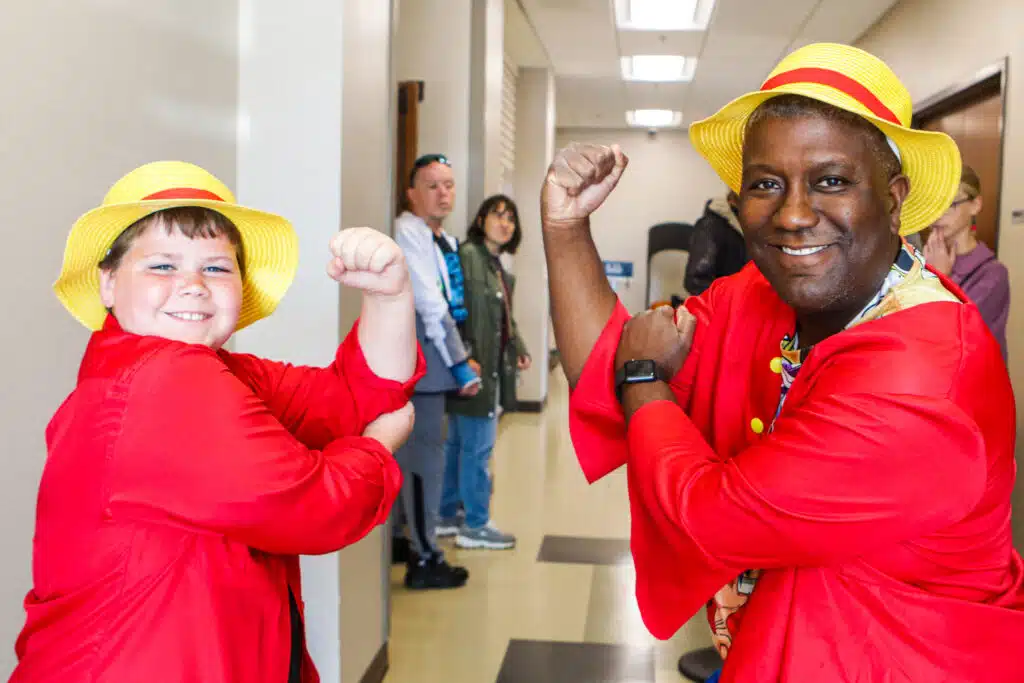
[640, 371]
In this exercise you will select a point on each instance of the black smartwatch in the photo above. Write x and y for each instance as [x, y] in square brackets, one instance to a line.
[638, 372]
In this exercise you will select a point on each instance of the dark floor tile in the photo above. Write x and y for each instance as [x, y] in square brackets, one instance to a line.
[535, 661]
[580, 550]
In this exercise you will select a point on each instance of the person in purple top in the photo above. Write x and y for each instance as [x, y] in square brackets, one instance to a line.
[954, 250]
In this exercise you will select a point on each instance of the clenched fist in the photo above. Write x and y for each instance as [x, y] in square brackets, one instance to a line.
[579, 180]
[369, 260]
[392, 429]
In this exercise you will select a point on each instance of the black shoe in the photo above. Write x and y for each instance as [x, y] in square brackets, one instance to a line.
[400, 550]
[699, 665]
[434, 573]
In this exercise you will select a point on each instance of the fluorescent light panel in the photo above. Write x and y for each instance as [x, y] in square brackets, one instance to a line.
[664, 15]
[658, 68]
[654, 118]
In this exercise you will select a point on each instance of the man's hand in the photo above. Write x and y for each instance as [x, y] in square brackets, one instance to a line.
[470, 389]
[369, 260]
[579, 180]
[392, 429]
[938, 254]
[524, 362]
[660, 335]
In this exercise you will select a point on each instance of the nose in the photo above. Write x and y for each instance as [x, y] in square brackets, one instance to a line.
[796, 212]
[192, 284]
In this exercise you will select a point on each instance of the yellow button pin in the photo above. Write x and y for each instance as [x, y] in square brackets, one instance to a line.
[757, 426]
[776, 366]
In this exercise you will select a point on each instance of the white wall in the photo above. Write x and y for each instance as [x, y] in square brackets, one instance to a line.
[91, 90]
[535, 147]
[433, 45]
[289, 162]
[667, 180]
[935, 44]
[367, 168]
[487, 69]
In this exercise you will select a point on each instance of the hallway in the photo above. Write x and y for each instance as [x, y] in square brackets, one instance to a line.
[559, 607]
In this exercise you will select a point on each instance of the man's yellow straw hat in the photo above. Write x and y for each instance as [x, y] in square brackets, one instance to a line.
[850, 79]
[269, 242]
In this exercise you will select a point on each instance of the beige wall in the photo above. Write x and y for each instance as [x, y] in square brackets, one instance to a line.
[666, 181]
[367, 134]
[91, 90]
[934, 44]
[535, 145]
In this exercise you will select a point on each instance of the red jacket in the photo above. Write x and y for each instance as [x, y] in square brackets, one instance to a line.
[180, 486]
[878, 508]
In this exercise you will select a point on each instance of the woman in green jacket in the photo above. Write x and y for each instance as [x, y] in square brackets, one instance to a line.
[491, 334]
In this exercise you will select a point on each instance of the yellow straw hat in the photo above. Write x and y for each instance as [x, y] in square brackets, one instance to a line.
[269, 242]
[851, 79]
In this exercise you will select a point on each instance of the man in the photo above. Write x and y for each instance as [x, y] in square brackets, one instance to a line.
[844, 515]
[716, 247]
[433, 261]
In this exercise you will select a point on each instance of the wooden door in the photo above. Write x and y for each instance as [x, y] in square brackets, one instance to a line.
[410, 94]
[977, 126]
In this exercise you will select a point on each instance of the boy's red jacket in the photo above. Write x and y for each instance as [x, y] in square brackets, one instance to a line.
[180, 487]
[878, 508]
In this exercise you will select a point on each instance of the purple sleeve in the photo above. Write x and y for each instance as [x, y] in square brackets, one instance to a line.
[989, 289]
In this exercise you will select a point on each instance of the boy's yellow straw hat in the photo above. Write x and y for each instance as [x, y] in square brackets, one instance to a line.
[269, 242]
[854, 80]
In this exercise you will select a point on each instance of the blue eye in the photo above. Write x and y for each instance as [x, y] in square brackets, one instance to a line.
[162, 267]
[218, 269]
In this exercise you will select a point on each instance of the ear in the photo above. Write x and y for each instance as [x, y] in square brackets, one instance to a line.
[408, 195]
[899, 188]
[976, 206]
[107, 288]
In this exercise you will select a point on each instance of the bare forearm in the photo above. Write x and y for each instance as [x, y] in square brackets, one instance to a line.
[582, 301]
[387, 334]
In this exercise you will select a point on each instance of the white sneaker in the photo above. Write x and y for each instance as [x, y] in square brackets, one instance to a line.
[486, 537]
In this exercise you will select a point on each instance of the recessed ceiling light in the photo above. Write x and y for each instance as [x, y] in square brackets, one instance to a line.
[654, 118]
[664, 15]
[658, 68]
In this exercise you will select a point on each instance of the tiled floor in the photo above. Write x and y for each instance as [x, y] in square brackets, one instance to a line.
[559, 607]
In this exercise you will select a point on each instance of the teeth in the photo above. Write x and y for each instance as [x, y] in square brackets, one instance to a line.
[192, 317]
[803, 252]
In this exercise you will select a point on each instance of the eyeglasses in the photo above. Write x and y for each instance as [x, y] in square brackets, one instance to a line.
[424, 161]
[958, 202]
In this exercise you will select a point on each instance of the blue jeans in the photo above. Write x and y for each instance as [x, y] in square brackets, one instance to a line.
[467, 477]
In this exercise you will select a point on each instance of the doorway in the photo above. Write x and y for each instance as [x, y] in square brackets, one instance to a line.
[410, 94]
[973, 114]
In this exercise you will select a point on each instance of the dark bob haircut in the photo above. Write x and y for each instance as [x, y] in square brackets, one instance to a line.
[495, 204]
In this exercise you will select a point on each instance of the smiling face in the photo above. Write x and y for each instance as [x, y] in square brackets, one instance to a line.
[820, 211]
[168, 284]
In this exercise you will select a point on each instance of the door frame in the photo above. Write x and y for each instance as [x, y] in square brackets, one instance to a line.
[964, 92]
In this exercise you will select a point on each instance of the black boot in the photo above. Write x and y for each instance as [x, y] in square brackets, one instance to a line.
[434, 572]
[400, 551]
[700, 664]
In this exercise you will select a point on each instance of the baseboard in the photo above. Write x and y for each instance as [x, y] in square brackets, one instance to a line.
[378, 668]
[531, 406]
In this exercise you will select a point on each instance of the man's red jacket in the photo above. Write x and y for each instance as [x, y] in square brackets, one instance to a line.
[878, 508]
[180, 486]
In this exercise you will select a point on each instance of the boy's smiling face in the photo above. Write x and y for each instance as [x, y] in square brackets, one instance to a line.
[172, 286]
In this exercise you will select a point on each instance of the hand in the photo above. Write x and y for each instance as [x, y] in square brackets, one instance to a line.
[476, 366]
[392, 429]
[470, 389]
[579, 180]
[524, 362]
[660, 335]
[938, 253]
[369, 260]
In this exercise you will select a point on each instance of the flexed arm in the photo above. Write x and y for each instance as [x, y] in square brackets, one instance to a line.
[578, 181]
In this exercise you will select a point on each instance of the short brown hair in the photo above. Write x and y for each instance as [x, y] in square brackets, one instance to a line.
[193, 222]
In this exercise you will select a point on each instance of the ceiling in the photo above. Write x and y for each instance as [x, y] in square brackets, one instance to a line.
[737, 50]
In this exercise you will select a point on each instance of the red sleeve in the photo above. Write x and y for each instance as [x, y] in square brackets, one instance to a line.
[596, 422]
[318, 405]
[198, 448]
[841, 475]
